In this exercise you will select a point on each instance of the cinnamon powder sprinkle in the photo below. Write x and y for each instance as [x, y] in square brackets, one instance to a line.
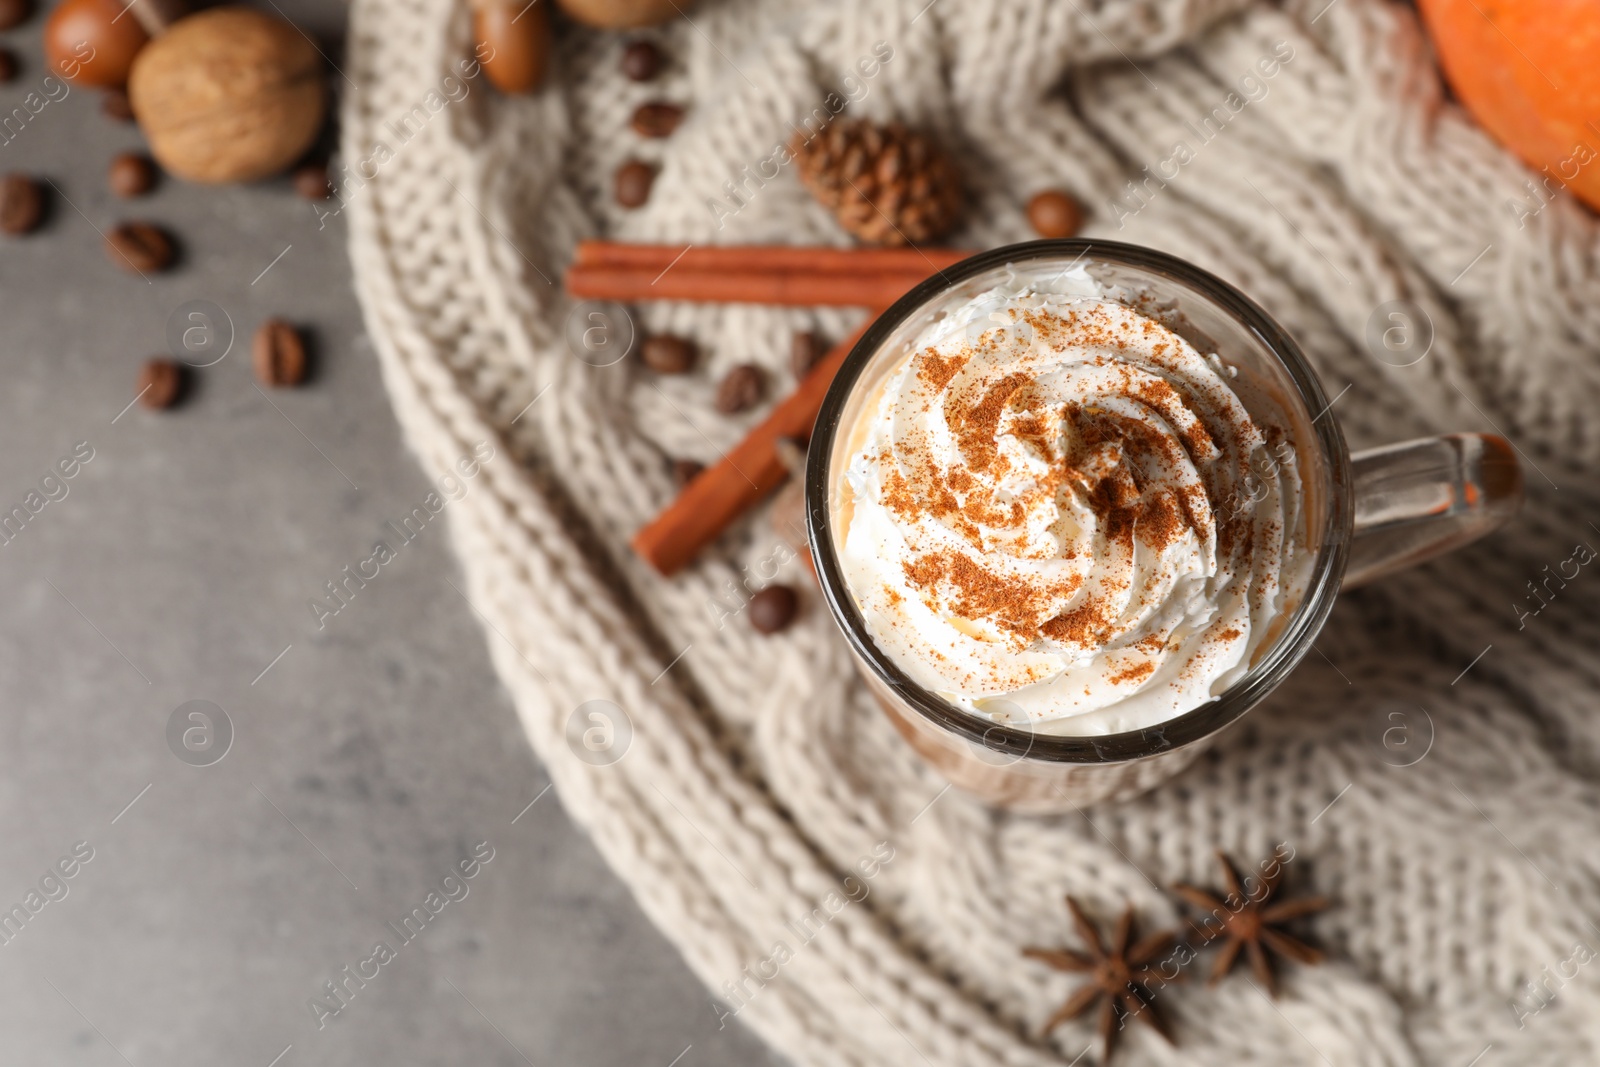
[1136, 673]
[1010, 604]
[1117, 465]
[1084, 625]
[938, 371]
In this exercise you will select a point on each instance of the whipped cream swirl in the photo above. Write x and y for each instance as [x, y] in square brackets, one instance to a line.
[1058, 514]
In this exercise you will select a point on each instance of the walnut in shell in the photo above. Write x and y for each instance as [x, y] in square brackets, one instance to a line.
[228, 95]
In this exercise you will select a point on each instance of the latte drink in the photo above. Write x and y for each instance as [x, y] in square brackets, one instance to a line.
[1059, 516]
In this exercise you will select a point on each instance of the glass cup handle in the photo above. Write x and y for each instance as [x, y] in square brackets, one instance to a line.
[1419, 499]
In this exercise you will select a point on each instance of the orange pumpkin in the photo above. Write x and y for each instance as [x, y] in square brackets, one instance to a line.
[1529, 71]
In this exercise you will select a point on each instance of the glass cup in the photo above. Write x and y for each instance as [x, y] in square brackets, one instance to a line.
[1362, 516]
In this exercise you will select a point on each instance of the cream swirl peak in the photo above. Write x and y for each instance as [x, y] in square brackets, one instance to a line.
[1058, 512]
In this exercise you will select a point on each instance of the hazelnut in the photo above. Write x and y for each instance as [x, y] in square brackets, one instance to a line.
[516, 37]
[87, 42]
[622, 14]
[1054, 214]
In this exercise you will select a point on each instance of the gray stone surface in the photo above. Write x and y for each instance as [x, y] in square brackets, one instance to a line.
[367, 757]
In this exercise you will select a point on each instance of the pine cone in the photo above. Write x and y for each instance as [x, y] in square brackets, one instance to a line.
[886, 184]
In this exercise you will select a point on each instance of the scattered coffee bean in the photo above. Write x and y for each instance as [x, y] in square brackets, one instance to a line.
[641, 61]
[740, 389]
[666, 354]
[8, 66]
[14, 12]
[311, 181]
[1054, 214]
[804, 351]
[131, 175]
[656, 119]
[161, 383]
[773, 608]
[139, 246]
[21, 204]
[685, 471]
[278, 354]
[115, 105]
[632, 184]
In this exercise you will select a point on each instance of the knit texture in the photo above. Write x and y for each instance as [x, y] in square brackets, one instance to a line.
[762, 789]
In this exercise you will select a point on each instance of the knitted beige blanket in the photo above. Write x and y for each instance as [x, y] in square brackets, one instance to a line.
[1433, 769]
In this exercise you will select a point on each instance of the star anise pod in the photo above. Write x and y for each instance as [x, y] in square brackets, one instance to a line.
[1251, 923]
[1119, 976]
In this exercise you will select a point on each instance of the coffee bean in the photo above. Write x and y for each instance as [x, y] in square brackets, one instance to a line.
[773, 608]
[311, 181]
[685, 471]
[14, 12]
[641, 61]
[161, 383]
[1054, 214]
[804, 351]
[115, 105]
[8, 66]
[21, 204]
[278, 354]
[666, 354]
[131, 175]
[631, 186]
[740, 389]
[656, 119]
[139, 246]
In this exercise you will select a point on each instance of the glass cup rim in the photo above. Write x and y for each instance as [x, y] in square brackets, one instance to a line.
[1202, 721]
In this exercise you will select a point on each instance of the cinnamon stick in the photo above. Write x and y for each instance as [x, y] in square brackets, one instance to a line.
[724, 491]
[787, 288]
[768, 259]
